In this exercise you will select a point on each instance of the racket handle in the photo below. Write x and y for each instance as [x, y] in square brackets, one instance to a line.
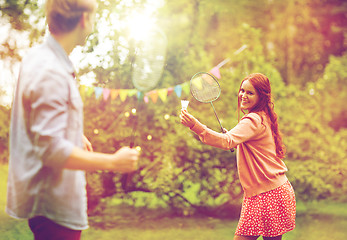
[223, 131]
[221, 127]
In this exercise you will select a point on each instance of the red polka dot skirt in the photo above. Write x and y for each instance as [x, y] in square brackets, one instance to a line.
[268, 214]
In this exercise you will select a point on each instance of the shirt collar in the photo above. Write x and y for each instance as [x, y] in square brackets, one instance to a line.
[61, 54]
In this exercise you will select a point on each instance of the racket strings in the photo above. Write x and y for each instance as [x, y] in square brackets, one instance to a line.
[205, 88]
[149, 61]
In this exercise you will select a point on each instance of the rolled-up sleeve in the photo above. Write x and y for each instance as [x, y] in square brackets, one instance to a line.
[246, 129]
[47, 100]
[46, 124]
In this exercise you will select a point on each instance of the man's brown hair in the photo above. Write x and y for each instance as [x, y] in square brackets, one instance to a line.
[62, 16]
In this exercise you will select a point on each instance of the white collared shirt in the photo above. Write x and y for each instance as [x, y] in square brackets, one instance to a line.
[46, 123]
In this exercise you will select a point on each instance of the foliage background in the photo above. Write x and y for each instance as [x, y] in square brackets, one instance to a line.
[299, 45]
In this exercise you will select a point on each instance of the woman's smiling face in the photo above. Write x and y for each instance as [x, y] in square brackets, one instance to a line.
[248, 96]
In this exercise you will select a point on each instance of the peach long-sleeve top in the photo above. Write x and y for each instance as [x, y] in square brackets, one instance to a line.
[259, 168]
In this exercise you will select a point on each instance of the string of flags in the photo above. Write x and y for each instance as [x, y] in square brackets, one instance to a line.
[152, 95]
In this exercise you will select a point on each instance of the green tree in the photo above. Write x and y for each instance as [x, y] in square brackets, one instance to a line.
[4, 133]
[317, 151]
[291, 42]
[303, 34]
[26, 21]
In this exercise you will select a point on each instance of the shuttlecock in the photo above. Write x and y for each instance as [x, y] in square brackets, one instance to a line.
[184, 104]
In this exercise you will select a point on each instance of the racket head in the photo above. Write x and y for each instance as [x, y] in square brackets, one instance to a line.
[149, 62]
[204, 87]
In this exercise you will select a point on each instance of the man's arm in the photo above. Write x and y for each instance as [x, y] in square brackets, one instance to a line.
[124, 160]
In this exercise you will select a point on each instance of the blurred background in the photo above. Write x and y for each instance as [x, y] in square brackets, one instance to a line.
[183, 187]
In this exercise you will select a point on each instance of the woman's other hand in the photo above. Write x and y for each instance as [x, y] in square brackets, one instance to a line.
[187, 119]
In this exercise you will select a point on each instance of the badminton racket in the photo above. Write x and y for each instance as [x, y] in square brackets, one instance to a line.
[147, 69]
[148, 64]
[205, 88]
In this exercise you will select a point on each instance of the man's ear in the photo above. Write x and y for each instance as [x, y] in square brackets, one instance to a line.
[84, 19]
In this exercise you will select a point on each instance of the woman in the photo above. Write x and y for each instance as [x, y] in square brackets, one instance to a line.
[268, 207]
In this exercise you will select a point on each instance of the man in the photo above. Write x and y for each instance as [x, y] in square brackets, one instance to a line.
[46, 181]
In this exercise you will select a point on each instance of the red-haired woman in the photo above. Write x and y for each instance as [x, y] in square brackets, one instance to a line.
[268, 207]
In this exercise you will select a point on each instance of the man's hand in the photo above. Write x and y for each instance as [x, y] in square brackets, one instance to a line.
[126, 160]
[86, 144]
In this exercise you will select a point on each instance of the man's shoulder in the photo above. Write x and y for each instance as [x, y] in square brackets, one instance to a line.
[40, 62]
[39, 54]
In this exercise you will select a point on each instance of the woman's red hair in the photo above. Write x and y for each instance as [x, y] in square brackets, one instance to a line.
[262, 85]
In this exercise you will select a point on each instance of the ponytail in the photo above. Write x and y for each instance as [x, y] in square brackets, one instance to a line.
[276, 133]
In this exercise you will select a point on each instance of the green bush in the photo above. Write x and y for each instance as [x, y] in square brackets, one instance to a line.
[4, 133]
[317, 154]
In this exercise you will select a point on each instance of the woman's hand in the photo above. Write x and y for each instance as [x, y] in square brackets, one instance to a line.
[187, 119]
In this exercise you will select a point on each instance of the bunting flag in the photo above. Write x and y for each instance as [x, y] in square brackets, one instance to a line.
[83, 90]
[215, 71]
[123, 94]
[98, 91]
[90, 91]
[114, 93]
[145, 99]
[186, 88]
[178, 90]
[163, 94]
[169, 91]
[106, 93]
[197, 82]
[132, 92]
[140, 95]
[152, 95]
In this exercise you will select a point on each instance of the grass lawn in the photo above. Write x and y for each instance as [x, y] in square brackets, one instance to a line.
[315, 221]
[10, 229]
[167, 228]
